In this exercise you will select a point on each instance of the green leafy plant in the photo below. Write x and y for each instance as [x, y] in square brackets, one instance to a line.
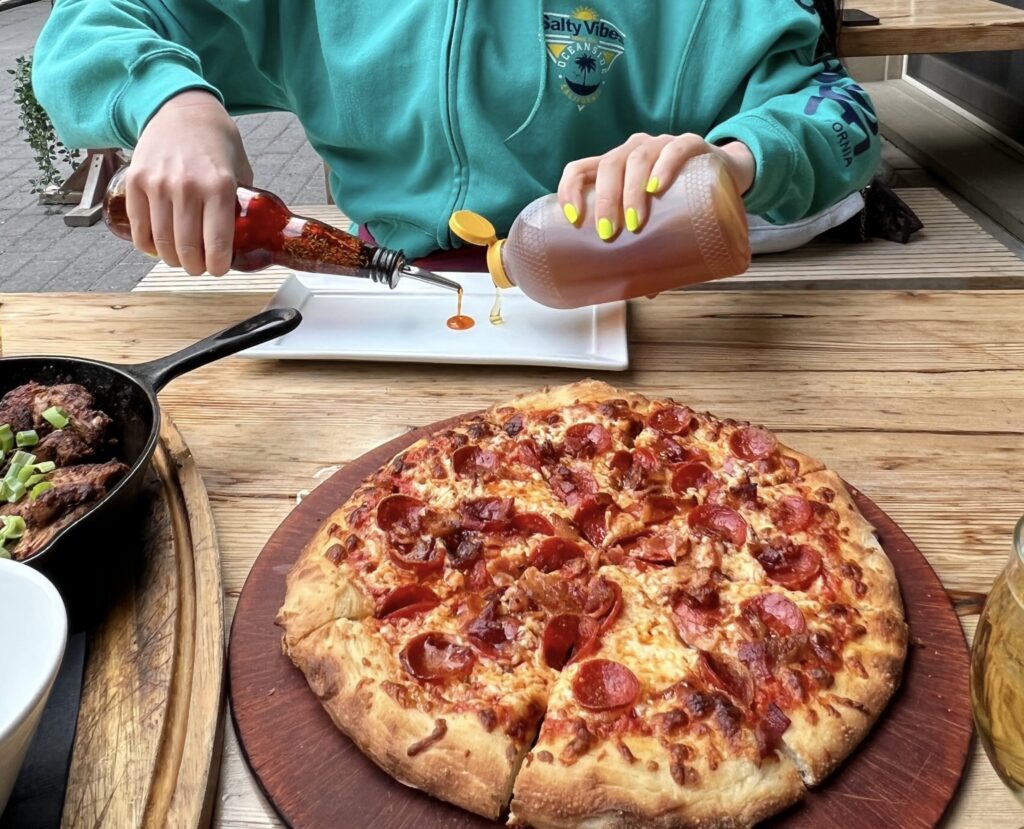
[50, 153]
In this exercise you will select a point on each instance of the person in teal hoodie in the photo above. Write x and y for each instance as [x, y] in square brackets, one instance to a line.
[423, 107]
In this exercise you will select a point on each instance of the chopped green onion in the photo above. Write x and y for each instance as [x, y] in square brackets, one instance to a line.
[13, 471]
[27, 438]
[45, 467]
[4, 553]
[56, 417]
[17, 491]
[14, 527]
[23, 458]
[4, 491]
[34, 479]
[6, 438]
[39, 489]
[25, 473]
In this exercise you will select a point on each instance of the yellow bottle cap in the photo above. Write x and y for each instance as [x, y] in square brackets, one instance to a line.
[473, 228]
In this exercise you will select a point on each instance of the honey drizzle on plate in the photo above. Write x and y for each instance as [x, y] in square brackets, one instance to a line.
[496, 318]
[460, 322]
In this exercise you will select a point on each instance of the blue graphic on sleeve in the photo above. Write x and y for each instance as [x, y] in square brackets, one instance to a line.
[854, 105]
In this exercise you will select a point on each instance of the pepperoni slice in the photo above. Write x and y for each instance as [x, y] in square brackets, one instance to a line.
[604, 602]
[658, 509]
[672, 420]
[793, 514]
[657, 549]
[770, 729]
[693, 475]
[552, 553]
[489, 633]
[572, 485]
[435, 657]
[406, 601]
[727, 675]
[399, 516]
[793, 566]
[487, 514]
[587, 440]
[602, 685]
[777, 613]
[531, 523]
[424, 556]
[824, 649]
[565, 637]
[714, 521]
[470, 461]
[695, 615]
[633, 470]
[592, 517]
[479, 577]
[752, 443]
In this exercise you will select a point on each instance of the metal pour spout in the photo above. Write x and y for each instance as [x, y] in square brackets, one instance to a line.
[429, 277]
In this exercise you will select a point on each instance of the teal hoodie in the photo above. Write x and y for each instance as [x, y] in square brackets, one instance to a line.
[423, 107]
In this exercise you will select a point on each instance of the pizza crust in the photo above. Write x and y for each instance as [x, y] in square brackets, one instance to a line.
[467, 766]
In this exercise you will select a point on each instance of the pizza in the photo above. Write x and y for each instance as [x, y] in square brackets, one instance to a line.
[588, 608]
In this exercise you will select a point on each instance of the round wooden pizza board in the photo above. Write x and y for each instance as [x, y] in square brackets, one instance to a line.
[904, 773]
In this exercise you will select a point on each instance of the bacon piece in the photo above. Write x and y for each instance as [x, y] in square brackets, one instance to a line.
[527, 453]
[752, 443]
[592, 517]
[435, 657]
[479, 577]
[491, 633]
[572, 485]
[671, 450]
[825, 650]
[633, 470]
[672, 420]
[658, 509]
[727, 675]
[464, 548]
[487, 514]
[552, 553]
[514, 425]
[713, 521]
[792, 514]
[693, 475]
[793, 566]
[602, 685]
[587, 440]
[471, 461]
[406, 601]
[770, 729]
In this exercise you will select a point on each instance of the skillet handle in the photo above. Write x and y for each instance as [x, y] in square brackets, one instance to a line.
[265, 326]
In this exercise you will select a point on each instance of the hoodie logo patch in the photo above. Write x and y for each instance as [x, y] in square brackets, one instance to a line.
[583, 46]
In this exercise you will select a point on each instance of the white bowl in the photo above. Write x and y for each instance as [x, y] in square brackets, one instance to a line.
[33, 631]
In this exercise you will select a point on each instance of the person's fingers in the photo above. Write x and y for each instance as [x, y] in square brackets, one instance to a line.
[219, 228]
[672, 158]
[608, 186]
[639, 164]
[161, 217]
[188, 227]
[137, 208]
[576, 177]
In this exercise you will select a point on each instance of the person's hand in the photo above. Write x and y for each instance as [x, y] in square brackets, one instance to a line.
[625, 178]
[180, 187]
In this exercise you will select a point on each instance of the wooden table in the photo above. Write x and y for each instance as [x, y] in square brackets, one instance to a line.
[927, 26]
[914, 397]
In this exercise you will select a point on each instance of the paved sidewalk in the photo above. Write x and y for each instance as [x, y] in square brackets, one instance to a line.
[38, 252]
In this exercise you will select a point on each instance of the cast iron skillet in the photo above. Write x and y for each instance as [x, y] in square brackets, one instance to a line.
[128, 395]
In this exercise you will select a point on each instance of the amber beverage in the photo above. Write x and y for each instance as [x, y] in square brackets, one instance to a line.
[997, 672]
[696, 231]
[268, 233]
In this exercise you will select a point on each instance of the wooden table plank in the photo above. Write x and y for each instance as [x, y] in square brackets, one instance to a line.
[929, 26]
[952, 251]
[913, 396]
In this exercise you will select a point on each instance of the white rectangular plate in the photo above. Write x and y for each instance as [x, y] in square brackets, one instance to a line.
[351, 319]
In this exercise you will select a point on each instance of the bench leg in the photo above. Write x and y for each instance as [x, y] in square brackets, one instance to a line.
[99, 166]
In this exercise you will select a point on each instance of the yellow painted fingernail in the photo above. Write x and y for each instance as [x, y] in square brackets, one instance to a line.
[653, 184]
[605, 229]
[150, 255]
[571, 213]
[632, 220]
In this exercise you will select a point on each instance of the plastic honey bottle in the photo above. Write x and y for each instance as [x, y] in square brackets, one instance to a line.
[695, 231]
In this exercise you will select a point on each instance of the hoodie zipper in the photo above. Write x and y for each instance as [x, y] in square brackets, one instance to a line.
[449, 110]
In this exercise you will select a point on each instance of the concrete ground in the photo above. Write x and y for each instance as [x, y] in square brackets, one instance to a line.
[38, 252]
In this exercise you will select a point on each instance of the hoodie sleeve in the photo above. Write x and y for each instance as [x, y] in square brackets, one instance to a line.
[102, 69]
[811, 128]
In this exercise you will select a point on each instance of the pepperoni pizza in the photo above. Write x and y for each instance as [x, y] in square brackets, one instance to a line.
[587, 608]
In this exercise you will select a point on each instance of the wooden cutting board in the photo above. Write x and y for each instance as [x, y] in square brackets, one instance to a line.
[147, 748]
[904, 774]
